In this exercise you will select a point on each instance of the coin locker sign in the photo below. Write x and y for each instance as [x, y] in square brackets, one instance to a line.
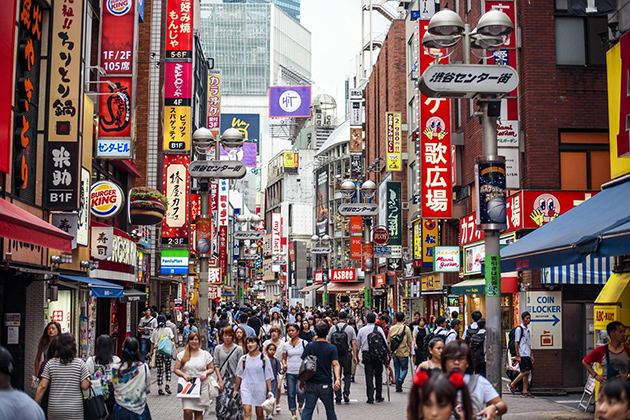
[546, 326]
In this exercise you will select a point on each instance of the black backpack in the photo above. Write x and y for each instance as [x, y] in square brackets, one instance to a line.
[476, 345]
[470, 332]
[265, 335]
[396, 341]
[340, 339]
[427, 340]
[512, 340]
[377, 346]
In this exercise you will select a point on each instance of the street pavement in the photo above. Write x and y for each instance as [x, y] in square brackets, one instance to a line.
[169, 407]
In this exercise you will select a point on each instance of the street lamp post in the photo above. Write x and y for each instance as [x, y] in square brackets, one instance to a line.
[445, 30]
[322, 248]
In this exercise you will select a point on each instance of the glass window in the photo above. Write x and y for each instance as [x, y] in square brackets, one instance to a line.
[570, 41]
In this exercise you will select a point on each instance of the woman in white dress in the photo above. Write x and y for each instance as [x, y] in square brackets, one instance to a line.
[253, 377]
[194, 362]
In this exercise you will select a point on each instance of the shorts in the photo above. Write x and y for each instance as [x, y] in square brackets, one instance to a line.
[526, 364]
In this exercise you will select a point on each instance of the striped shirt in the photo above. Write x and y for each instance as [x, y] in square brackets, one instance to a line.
[65, 400]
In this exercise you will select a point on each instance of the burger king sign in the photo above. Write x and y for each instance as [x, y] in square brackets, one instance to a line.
[106, 199]
[119, 7]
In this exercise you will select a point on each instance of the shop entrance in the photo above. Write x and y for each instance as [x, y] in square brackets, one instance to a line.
[574, 343]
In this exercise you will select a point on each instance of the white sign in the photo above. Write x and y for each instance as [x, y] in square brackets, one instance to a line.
[320, 251]
[223, 202]
[356, 94]
[68, 222]
[83, 224]
[427, 9]
[276, 234]
[355, 113]
[473, 257]
[546, 326]
[113, 148]
[467, 80]
[102, 242]
[176, 192]
[214, 292]
[232, 169]
[125, 251]
[446, 259]
[361, 209]
[512, 167]
[507, 133]
[245, 235]
[214, 275]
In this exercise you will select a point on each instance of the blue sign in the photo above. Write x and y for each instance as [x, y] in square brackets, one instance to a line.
[113, 148]
[247, 124]
[415, 14]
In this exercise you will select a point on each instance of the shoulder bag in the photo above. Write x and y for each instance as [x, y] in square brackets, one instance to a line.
[94, 406]
[308, 368]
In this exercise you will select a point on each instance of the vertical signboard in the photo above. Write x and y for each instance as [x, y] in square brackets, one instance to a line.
[429, 241]
[223, 202]
[355, 247]
[394, 141]
[276, 234]
[177, 105]
[223, 249]
[394, 214]
[175, 186]
[417, 243]
[321, 202]
[179, 29]
[356, 140]
[435, 123]
[214, 100]
[356, 166]
[7, 51]
[116, 107]
[61, 189]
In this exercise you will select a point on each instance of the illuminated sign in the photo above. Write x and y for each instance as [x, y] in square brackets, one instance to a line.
[106, 199]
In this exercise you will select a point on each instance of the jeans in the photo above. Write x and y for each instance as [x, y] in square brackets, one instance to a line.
[293, 391]
[314, 392]
[145, 346]
[345, 363]
[373, 373]
[401, 365]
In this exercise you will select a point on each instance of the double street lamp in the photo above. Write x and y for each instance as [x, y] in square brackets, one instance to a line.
[321, 246]
[204, 170]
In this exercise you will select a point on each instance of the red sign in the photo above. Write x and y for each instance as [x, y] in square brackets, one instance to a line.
[623, 140]
[177, 83]
[175, 186]
[435, 126]
[179, 29]
[367, 261]
[380, 235]
[356, 224]
[223, 250]
[379, 281]
[318, 277]
[355, 247]
[115, 110]
[7, 46]
[343, 274]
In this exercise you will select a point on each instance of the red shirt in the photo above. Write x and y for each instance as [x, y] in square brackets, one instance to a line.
[619, 361]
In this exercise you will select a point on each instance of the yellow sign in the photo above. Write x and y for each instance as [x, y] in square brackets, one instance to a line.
[604, 315]
[431, 282]
[417, 240]
[618, 166]
[66, 84]
[429, 241]
[394, 141]
[176, 128]
[291, 160]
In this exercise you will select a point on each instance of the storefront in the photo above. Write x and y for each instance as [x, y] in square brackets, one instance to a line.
[340, 293]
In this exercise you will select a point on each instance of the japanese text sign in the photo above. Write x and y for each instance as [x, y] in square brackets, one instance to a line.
[468, 80]
[223, 204]
[115, 110]
[7, 51]
[432, 282]
[289, 101]
[355, 247]
[394, 141]
[417, 240]
[177, 128]
[68, 222]
[62, 186]
[117, 36]
[102, 243]
[223, 249]
[177, 83]
[214, 99]
[446, 259]
[176, 189]
[394, 212]
[429, 241]
[179, 29]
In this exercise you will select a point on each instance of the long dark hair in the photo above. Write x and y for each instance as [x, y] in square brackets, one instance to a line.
[130, 355]
[52, 349]
[66, 348]
[445, 387]
[45, 340]
[104, 351]
[456, 350]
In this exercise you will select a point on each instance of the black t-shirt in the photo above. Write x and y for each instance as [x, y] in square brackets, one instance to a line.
[306, 335]
[325, 353]
[255, 323]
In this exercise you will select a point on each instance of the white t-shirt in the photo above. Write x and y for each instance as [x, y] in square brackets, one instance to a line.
[159, 332]
[523, 337]
[148, 323]
[484, 390]
[294, 356]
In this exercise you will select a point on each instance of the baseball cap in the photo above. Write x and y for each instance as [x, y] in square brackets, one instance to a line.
[6, 361]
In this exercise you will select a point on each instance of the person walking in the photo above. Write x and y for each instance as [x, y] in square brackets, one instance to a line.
[15, 404]
[306, 333]
[470, 330]
[265, 330]
[478, 347]
[170, 324]
[164, 347]
[436, 346]
[613, 357]
[276, 321]
[373, 366]
[239, 338]
[418, 335]
[276, 367]
[52, 330]
[291, 362]
[189, 328]
[194, 362]
[226, 357]
[321, 386]
[131, 379]
[253, 378]
[66, 375]
[242, 319]
[400, 342]
[277, 341]
[344, 338]
[524, 356]
[146, 326]
[100, 367]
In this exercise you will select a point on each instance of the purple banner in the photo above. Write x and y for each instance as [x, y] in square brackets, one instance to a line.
[246, 154]
[289, 101]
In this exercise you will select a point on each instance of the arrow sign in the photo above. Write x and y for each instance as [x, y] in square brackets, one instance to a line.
[226, 169]
[553, 319]
[245, 235]
[320, 250]
[360, 209]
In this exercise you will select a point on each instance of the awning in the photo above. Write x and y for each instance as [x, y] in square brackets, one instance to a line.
[600, 227]
[20, 225]
[614, 288]
[100, 288]
[469, 287]
[310, 288]
[133, 295]
[592, 271]
[349, 288]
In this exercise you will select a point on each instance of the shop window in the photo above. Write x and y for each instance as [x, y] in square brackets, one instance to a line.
[579, 39]
[584, 161]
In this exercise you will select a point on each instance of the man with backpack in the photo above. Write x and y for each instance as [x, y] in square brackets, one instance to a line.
[344, 338]
[372, 344]
[472, 328]
[614, 357]
[478, 347]
[400, 342]
[522, 348]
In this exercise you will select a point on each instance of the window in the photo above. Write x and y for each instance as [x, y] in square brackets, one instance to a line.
[411, 53]
[584, 160]
[458, 113]
[411, 115]
[579, 39]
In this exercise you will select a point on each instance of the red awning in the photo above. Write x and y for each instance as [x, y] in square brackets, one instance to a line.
[20, 225]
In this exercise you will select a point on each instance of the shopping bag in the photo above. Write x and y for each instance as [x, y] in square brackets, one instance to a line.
[94, 406]
[189, 389]
[152, 362]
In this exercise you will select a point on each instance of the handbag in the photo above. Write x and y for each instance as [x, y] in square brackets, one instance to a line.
[213, 388]
[94, 406]
[188, 389]
[308, 368]
[152, 362]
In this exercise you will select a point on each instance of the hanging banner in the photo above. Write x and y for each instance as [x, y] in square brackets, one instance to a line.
[68, 222]
[83, 227]
[102, 243]
[356, 166]
[417, 243]
[177, 102]
[367, 262]
[179, 29]
[394, 140]
[356, 140]
[223, 250]
[276, 234]
[214, 100]
[394, 213]
[355, 248]
[175, 186]
[321, 202]
[435, 123]
[429, 241]
[223, 202]
[7, 51]
[490, 187]
[356, 113]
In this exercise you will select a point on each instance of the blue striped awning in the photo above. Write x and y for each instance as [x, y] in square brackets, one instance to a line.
[592, 271]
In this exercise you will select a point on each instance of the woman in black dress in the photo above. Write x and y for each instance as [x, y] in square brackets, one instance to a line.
[419, 333]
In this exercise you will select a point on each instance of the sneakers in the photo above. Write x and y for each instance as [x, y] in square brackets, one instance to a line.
[278, 409]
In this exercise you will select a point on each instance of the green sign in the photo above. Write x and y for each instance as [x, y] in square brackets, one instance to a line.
[325, 298]
[394, 212]
[240, 293]
[367, 294]
[493, 276]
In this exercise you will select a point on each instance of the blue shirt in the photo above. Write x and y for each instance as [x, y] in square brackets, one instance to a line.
[249, 330]
[326, 353]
